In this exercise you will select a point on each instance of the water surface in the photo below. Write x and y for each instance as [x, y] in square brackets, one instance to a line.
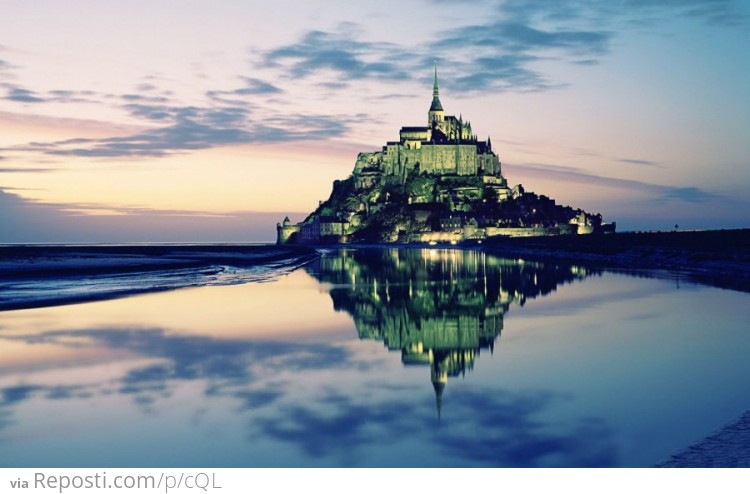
[379, 358]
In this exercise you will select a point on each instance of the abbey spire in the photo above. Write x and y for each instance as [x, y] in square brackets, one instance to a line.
[436, 106]
[436, 113]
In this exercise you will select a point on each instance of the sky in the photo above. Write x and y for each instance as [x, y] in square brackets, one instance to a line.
[203, 121]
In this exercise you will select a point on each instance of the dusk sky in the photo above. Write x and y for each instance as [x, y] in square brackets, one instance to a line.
[210, 121]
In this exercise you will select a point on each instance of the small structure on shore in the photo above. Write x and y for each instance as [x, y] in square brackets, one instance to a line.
[437, 183]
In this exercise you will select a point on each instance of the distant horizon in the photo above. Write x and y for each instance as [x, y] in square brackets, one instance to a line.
[272, 241]
[212, 124]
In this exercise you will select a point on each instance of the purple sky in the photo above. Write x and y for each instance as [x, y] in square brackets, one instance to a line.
[210, 121]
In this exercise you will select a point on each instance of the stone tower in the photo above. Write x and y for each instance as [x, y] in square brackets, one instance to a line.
[285, 230]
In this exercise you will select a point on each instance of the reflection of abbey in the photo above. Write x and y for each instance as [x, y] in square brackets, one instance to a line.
[439, 308]
[438, 182]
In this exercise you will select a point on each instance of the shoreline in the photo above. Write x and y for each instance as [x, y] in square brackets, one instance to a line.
[45, 276]
[719, 258]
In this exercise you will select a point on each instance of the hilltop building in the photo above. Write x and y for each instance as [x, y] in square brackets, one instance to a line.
[437, 183]
[445, 146]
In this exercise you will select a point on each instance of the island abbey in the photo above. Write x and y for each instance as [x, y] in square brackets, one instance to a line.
[437, 183]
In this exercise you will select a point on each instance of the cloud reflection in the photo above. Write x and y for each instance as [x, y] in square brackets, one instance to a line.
[327, 402]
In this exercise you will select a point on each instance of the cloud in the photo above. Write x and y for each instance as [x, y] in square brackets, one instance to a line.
[574, 175]
[184, 128]
[628, 12]
[344, 427]
[193, 128]
[659, 193]
[505, 52]
[639, 162]
[338, 424]
[146, 86]
[15, 394]
[513, 437]
[515, 37]
[496, 428]
[502, 66]
[503, 73]
[638, 204]
[587, 62]
[501, 53]
[223, 363]
[21, 95]
[252, 86]
[6, 68]
[139, 98]
[25, 170]
[716, 12]
[224, 367]
[497, 54]
[342, 54]
[721, 13]
[70, 96]
[687, 194]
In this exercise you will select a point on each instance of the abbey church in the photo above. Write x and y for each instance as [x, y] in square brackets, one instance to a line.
[437, 183]
[445, 146]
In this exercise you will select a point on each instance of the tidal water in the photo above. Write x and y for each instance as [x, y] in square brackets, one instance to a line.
[379, 357]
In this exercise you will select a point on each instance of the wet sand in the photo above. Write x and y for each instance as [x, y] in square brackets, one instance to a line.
[727, 448]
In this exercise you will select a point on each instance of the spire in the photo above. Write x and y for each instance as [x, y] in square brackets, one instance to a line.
[435, 84]
[436, 106]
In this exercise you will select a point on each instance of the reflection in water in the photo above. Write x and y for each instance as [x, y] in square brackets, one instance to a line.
[439, 307]
[269, 375]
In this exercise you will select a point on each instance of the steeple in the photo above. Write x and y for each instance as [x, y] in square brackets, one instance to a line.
[436, 106]
[436, 115]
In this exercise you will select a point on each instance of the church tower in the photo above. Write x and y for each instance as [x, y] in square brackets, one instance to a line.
[436, 115]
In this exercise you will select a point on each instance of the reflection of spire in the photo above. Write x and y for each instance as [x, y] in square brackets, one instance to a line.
[440, 308]
[439, 380]
[439, 387]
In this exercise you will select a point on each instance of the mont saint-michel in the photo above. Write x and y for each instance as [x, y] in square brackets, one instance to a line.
[437, 183]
